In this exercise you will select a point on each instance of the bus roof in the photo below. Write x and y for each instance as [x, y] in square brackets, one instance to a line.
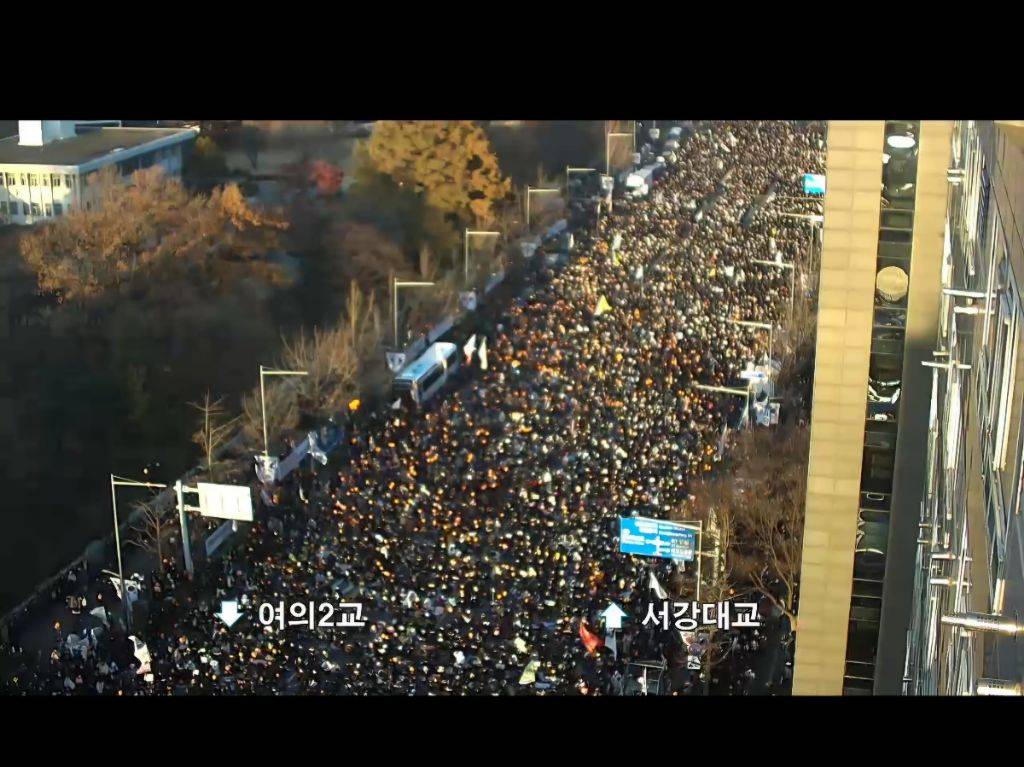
[434, 354]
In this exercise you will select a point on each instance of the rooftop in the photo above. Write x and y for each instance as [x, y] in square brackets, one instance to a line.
[88, 146]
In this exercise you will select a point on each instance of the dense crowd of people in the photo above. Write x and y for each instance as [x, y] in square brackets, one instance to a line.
[479, 532]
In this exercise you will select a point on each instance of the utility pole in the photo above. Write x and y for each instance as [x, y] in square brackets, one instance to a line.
[395, 285]
[116, 482]
[530, 191]
[264, 371]
[467, 233]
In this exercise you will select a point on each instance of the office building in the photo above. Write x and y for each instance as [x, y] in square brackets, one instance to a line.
[45, 169]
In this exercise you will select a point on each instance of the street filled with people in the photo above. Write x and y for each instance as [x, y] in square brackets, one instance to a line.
[479, 532]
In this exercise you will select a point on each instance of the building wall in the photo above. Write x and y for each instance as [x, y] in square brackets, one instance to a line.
[34, 184]
[973, 559]
[847, 280]
[909, 476]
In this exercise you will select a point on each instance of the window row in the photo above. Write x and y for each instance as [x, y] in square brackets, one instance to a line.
[32, 209]
[37, 179]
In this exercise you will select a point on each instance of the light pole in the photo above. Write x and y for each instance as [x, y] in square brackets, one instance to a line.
[569, 170]
[761, 326]
[395, 285]
[745, 393]
[263, 402]
[608, 148]
[530, 190]
[116, 482]
[780, 264]
[465, 247]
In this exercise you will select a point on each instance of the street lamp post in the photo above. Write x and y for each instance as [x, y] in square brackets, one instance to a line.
[745, 393]
[529, 191]
[395, 285]
[116, 482]
[608, 148]
[465, 248]
[263, 403]
[792, 277]
[569, 170]
[761, 326]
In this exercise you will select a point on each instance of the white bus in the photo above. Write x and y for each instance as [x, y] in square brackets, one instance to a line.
[422, 379]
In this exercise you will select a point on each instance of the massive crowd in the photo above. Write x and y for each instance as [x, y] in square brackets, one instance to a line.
[479, 532]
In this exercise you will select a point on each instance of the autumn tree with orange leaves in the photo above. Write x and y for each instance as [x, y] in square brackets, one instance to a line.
[450, 163]
[153, 232]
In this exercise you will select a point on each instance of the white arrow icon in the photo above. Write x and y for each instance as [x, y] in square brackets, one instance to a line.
[613, 615]
[229, 612]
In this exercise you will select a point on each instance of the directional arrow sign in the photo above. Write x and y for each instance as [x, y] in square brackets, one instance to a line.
[657, 538]
[613, 616]
[229, 612]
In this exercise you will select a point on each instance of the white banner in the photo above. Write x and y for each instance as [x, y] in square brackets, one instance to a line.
[483, 354]
[469, 348]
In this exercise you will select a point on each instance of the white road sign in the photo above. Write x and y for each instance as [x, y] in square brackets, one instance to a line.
[225, 501]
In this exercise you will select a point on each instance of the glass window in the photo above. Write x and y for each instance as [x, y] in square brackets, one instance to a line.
[10, 179]
[24, 208]
[21, 177]
[46, 179]
[32, 180]
[431, 378]
[55, 180]
[58, 209]
[49, 209]
[35, 208]
[67, 181]
[3, 207]
[1, 179]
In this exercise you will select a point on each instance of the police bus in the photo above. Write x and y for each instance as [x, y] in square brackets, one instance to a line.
[422, 379]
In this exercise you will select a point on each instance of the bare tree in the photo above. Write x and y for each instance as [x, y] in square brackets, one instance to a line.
[155, 526]
[282, 411]
[770, 523]
[214, 430]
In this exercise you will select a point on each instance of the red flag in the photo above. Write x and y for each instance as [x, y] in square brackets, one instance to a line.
[590, 641]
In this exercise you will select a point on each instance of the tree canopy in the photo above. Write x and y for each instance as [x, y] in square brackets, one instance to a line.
[150, 233]
[450, 163]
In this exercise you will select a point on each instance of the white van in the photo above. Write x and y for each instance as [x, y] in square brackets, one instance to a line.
[423, 378]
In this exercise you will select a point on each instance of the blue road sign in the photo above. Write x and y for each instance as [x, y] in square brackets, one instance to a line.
[814, 183]
[656, 538]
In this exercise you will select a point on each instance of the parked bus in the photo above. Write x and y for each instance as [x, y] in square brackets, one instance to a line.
[422, 379]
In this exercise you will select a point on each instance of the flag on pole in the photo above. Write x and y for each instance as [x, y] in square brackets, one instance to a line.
[266, 469]
[602, 306]
[656, 587]
[529, 675]
[590, 640]
[483, 353]
[132, 587]
[315, 451]
[142, 653]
